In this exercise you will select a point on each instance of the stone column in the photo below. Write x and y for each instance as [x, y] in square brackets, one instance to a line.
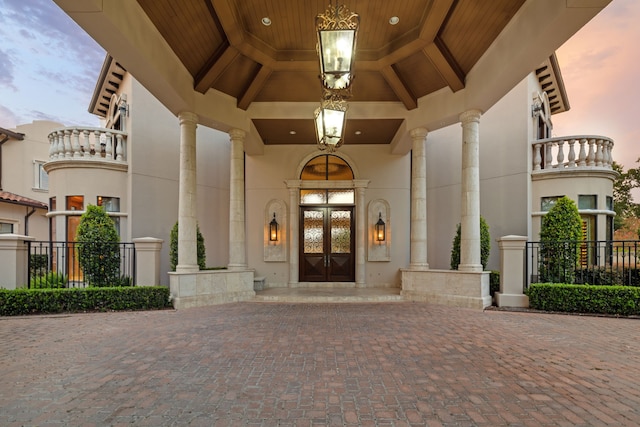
[361, 235]
[14, 258]
[294, 223]
[470, 206]
[237, 240]
[419, 200]
[187, 212]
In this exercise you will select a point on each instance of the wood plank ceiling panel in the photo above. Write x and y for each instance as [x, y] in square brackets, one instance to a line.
[188, 28]
[472, 27]
[426, 81]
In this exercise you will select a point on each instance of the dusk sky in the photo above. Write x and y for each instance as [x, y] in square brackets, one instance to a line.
[49, 66]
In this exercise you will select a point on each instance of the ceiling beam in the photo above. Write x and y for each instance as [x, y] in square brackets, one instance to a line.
[254, 88]
[399, 87]
[436, 17]
[214, 67]
[443, 61]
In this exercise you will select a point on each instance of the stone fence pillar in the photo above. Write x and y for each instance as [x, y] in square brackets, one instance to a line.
[14, 259]
[148, 261]
[512, 253]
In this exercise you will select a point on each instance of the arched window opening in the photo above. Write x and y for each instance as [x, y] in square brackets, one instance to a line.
[327, 167]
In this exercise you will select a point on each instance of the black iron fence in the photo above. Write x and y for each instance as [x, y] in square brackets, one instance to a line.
[590, 262]
[80, 264]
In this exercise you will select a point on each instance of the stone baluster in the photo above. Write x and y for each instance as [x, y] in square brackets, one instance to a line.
[87, 143]
[109, 147]
[609, 154]
[591, 158]
[76, 143]
[572, 153]
[582, 157]
[67, 144]
[60, 145]
[599, 144]
[537, 158]
[52, 145]
[119, 147]
[547, 155]
[560, 157]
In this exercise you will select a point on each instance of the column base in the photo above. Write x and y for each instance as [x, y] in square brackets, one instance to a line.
[471, 267]
[187, 268]
[419, 266]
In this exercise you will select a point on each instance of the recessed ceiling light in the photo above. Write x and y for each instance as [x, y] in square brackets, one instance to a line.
[266, 21]
[292, 132]
[394, 20]
[358, 132]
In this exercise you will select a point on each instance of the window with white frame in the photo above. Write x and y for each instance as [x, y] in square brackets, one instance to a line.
[40, 176]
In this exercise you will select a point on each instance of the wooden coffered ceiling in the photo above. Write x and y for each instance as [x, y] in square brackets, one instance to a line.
[224, 46]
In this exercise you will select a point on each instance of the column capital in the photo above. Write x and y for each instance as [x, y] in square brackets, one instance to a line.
[236, 134]
[188, 117]
[418, 133]
[470, 116]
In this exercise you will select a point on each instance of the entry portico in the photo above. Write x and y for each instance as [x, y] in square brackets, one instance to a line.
[260, 87]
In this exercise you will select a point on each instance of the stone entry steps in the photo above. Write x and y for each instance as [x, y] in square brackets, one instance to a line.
[323, 293]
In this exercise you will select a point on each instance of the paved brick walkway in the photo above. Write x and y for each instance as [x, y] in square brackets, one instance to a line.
[276, 364]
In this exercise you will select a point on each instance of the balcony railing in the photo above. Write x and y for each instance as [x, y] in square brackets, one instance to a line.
[573, 152]
[88, 143]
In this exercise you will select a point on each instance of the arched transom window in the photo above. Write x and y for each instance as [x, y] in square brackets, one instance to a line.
[324, 168]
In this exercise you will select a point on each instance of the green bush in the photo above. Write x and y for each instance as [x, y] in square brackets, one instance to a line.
[616, 300]
[50, 280]
[485, 246]
[36, 301]
[37, 264]
[494, 282]
[173, 249]
[98, 247]
[560, 234]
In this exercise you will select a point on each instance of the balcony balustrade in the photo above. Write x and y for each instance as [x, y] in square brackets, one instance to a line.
[571, 153]
[87, 143]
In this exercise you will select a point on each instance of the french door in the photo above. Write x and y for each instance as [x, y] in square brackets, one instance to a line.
[327, 244]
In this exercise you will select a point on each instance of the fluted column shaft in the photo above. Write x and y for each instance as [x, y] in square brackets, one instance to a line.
[470, 191]
[294, 223]
[237, 239]
[187, 206]
[419, 200]
[361, 235]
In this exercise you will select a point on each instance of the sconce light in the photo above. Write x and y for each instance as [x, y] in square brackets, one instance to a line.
[380, 227]
[273, 229]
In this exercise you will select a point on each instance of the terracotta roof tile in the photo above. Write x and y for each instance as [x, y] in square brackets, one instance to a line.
[7, 197]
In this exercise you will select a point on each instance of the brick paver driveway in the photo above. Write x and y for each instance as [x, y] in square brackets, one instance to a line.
[270, 364]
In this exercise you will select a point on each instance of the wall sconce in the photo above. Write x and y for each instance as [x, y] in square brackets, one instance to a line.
[273, 229]
[380, 229]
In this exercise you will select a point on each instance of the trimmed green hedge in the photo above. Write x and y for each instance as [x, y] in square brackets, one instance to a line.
[617, 300]
[37, 301]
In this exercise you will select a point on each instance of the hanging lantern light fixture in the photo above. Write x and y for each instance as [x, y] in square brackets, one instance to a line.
[337, 30]
[330, 120]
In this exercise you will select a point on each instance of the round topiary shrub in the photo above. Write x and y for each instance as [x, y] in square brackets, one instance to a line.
[485, 246]
[98, 248]
[173, 248]
[560, 237]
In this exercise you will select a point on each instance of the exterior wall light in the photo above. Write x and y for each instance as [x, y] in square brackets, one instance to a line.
[273, 229]
[380, 229]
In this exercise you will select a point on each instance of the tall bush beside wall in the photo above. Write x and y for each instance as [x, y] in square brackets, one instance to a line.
[173, 248]
[485, 246]
[98, 247]
[560, 234]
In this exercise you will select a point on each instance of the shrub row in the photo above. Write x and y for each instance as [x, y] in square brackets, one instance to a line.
[616, 300]
[37, 301]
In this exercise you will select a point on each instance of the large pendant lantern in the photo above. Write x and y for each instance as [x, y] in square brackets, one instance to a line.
[337, 31]
[330, 120]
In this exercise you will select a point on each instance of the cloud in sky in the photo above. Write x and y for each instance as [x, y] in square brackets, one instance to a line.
[47, 64]
[600, 66]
